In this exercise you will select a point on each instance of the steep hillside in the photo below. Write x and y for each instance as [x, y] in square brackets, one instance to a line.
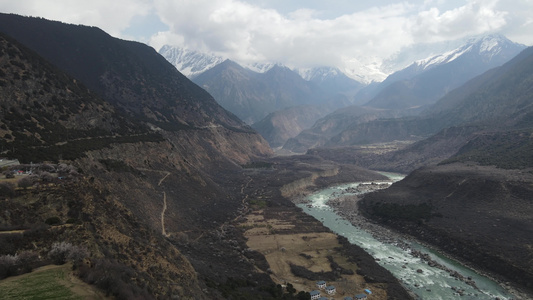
[123, 256]
[160, 142]
[129, 75]
[47, 115]
[480, 214]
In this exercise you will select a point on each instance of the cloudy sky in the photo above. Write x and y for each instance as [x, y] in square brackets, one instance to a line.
[301, 33]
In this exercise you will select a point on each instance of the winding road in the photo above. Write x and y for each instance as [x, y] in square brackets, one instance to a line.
[163, 231]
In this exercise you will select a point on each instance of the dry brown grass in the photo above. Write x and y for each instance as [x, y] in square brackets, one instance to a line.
[309, 250]
[54, 281]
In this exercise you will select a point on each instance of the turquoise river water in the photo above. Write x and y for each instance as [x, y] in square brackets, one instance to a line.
[416, 275]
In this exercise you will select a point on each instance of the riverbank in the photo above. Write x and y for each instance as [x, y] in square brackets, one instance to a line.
[345, 205]
[299, 250]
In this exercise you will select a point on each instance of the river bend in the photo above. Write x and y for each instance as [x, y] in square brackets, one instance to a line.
[427, 282]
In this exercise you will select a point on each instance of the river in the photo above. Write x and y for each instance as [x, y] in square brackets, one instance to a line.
[425, 281]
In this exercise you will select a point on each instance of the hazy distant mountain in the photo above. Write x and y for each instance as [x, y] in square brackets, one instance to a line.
[255, 90]
[190, 63]
[332, 81]
[279, 126]
[337, 122]
[251, 95]
[425, 81]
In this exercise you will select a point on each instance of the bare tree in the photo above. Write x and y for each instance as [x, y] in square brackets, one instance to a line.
[62, 252]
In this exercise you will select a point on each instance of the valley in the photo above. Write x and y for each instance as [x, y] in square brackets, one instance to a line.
[147, 186]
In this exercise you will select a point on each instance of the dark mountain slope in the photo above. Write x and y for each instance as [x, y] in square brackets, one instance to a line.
[135, 79]
[503, 94]
[47, 115]
[480, 214]
[130, 75]
[150, 139]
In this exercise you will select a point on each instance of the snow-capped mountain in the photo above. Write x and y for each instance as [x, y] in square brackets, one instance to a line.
[189, 62]
[406, 56]
[415, 58]
[365, 69]
[487, 47]
[261, 67]
[427, 80]
[318, 74]
[486, 51]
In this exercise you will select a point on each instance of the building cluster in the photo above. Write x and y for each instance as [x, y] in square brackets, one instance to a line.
[330, 290]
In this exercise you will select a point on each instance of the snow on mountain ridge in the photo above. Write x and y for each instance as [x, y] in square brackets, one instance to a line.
[363, 69]
[189, 62]
[260, 67]
[320, 73]
[442, 59]
[487, 46]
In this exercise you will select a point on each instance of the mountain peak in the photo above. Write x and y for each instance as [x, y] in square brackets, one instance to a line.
[486, 46]
[190, 63]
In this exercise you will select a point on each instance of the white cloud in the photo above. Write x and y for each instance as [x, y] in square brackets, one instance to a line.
[111, 16]
[519, 20]
[476, 17]
[245, 32]
[313, 34]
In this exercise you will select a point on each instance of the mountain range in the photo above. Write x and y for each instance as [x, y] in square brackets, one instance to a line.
[248, 93]
[426, 81]
[409, 92]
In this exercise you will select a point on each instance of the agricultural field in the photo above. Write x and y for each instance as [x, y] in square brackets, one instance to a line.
[48, 282]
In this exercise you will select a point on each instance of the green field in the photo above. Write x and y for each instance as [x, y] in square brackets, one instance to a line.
[50, 283]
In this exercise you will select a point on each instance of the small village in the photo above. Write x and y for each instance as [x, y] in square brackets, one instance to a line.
[330, 290]
[14, 175]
